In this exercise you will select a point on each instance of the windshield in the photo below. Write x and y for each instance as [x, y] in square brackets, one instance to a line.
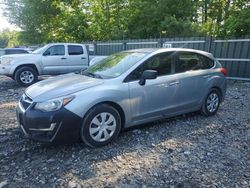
[39, 50]
[114, 65]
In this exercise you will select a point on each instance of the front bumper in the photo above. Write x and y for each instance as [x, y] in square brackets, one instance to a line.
[5, 69]
[61, 126]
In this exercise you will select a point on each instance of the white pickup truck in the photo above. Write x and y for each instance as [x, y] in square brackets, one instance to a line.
[52, 59]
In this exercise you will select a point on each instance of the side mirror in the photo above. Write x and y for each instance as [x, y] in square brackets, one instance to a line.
[46, 53]
[147, 75]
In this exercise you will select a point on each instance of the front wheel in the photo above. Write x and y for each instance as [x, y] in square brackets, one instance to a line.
[101, 125]
[26, 76]
[211, 103]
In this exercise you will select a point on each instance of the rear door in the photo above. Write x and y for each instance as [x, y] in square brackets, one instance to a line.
[77, 58]
[191, 76]
[54, 60]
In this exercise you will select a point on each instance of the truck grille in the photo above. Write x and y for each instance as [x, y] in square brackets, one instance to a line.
[25, 101]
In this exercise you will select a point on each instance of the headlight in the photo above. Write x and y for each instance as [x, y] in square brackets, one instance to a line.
[6, 60]
[54, 104]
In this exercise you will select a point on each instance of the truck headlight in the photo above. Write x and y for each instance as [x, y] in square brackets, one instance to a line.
[6, 60]
[54, 104]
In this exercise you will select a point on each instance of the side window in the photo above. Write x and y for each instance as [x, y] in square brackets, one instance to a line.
[161, 63]
[7, 52]
[17, 51]
[206, 63]
[75, 50]
[187, 61]
[55, 50]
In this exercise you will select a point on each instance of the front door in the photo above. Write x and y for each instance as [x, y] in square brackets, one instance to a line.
[54, 60]
[153, 99]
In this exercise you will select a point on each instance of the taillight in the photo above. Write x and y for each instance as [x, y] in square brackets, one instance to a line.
[223, 71]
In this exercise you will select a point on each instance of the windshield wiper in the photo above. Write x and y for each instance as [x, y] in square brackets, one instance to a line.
[93, 75]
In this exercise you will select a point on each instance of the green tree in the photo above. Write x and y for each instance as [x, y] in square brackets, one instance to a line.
[151, 17]
[224, 17]
[48, 20]
[238, 23]
[80, 20]
[9, 38]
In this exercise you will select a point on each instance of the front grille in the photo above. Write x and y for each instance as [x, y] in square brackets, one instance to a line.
[25, 101]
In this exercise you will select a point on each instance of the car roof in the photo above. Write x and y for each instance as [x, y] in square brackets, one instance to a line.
[161, 50]
[63, 43]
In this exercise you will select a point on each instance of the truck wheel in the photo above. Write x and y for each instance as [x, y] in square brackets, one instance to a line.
[26, 76]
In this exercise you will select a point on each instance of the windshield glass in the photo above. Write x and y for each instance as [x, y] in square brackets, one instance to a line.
[114, 65]
[39, 50]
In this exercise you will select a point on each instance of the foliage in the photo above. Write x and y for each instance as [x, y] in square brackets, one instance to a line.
[238, 23]
[8, 38]
[44, 21]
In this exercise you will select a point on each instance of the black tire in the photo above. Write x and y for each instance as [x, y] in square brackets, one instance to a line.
[87, 125]
[209, 111]
[29, 71]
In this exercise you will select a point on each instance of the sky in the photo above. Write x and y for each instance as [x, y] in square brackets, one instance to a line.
[4, 22]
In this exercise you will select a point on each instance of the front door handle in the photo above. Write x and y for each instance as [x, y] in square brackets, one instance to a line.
[83, 58]
[174, 83]
[63, 58]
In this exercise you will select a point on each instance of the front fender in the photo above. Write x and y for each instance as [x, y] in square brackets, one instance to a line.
[19, 63]
[85, 100]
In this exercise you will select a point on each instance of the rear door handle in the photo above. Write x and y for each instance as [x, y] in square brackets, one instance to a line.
[83, 58]
[63, 58]
[174, 83]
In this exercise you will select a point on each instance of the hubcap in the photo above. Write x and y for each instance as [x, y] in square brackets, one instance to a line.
[102, 127]
[212, 102]
[26, 77]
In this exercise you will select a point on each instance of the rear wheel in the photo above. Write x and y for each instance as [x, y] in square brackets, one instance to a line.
[101, 126]
[26, 76]
[211, 103]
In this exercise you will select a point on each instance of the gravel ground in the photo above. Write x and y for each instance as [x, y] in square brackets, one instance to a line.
[185, 151]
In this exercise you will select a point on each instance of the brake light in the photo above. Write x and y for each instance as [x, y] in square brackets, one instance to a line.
[223, 71]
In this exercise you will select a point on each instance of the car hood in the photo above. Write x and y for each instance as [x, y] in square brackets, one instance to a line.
[59, 86]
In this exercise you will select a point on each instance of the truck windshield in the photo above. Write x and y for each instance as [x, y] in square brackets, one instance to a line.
[40, 50]
[114, 65]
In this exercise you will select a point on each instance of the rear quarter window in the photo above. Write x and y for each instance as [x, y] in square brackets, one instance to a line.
[206, 63]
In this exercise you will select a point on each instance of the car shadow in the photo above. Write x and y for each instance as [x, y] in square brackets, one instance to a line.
[77, 160]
